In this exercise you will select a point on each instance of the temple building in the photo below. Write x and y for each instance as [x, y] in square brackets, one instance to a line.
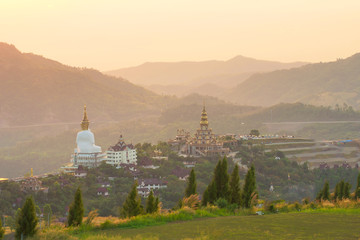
[181, 138]
[87, 154]
[121, 153]
[32, 184]
[205, 143]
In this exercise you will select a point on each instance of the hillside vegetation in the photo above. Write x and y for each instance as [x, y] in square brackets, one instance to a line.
[319, 84]
[47, 148]
[37, 90]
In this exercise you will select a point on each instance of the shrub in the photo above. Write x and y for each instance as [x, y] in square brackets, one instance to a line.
[107, 224]
[221, 203]
[297, 206]
[312, 205]
[272, 208]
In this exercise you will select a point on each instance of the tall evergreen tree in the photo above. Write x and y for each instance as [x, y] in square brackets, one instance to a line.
[224, 179]
[341, 189]
[221, 179]
[235, 191]
[346, 194]
[337, 192]
[132, 205]
[191, 186]
[156, 205]
[27, 220]
[249, 187]
[150, 203]
[205, 199]
[216, 180]
[326, 192]
[76, 210]
[212, 192]
[357, 190]
[2, 230]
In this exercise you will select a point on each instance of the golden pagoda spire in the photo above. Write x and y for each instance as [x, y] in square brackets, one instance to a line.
[31, 173]
[204, 117]
[85, 122]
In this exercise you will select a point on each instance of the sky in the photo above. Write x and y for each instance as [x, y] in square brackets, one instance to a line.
[112, 34]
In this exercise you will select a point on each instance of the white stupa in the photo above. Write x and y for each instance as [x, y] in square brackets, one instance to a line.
[87, 153]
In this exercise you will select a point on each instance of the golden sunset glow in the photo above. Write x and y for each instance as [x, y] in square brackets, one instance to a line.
[112, 34]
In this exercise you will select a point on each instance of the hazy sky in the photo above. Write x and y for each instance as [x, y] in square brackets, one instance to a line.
[110, 34]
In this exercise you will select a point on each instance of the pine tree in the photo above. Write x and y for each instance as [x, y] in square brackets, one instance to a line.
[319, 195]
[337, 192]
[2, 230]
[212, 192]
[221, 180]
[216, 182]
[235, 191]
[191, 187]
[346, 194]
[27, 220]
[357, 190]
[224, 179]
[326, 192]
[341, 189]
[76, 210]
[205, 198]
[150, 203]
[249, 187]
[132, 205]
[156, 205]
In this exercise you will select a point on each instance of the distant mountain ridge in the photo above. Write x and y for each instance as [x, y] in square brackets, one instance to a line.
[325, 84]
[38, 90]
[196, 73]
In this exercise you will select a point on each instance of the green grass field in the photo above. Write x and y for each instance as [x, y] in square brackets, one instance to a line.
[317, 225]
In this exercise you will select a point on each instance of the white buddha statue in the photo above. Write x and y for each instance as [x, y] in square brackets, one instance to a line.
[85, 139]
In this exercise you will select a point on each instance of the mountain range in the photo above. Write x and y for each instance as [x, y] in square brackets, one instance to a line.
[207, 77]
[325, 84]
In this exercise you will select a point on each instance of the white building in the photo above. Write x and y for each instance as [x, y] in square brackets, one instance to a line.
[152, 184]
[87, 154]
[121, 153]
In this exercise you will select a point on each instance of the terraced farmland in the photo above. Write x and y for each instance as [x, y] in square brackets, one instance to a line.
[324, 154]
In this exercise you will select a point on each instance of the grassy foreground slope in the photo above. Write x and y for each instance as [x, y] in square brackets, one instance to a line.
[317, 225]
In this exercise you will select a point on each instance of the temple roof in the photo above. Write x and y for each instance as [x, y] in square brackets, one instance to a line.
[204, 117]
[121, 145]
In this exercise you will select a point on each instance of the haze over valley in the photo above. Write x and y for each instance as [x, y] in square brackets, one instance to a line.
[45, 97]
[228, 119]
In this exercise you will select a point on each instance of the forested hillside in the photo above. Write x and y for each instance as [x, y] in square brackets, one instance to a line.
[37, 90]
[319, 84]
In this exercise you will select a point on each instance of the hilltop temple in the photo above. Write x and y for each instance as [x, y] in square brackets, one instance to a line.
[87, 154]
[203, 144]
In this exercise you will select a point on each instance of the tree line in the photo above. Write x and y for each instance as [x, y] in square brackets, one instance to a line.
[341, 191]
[223, 188]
